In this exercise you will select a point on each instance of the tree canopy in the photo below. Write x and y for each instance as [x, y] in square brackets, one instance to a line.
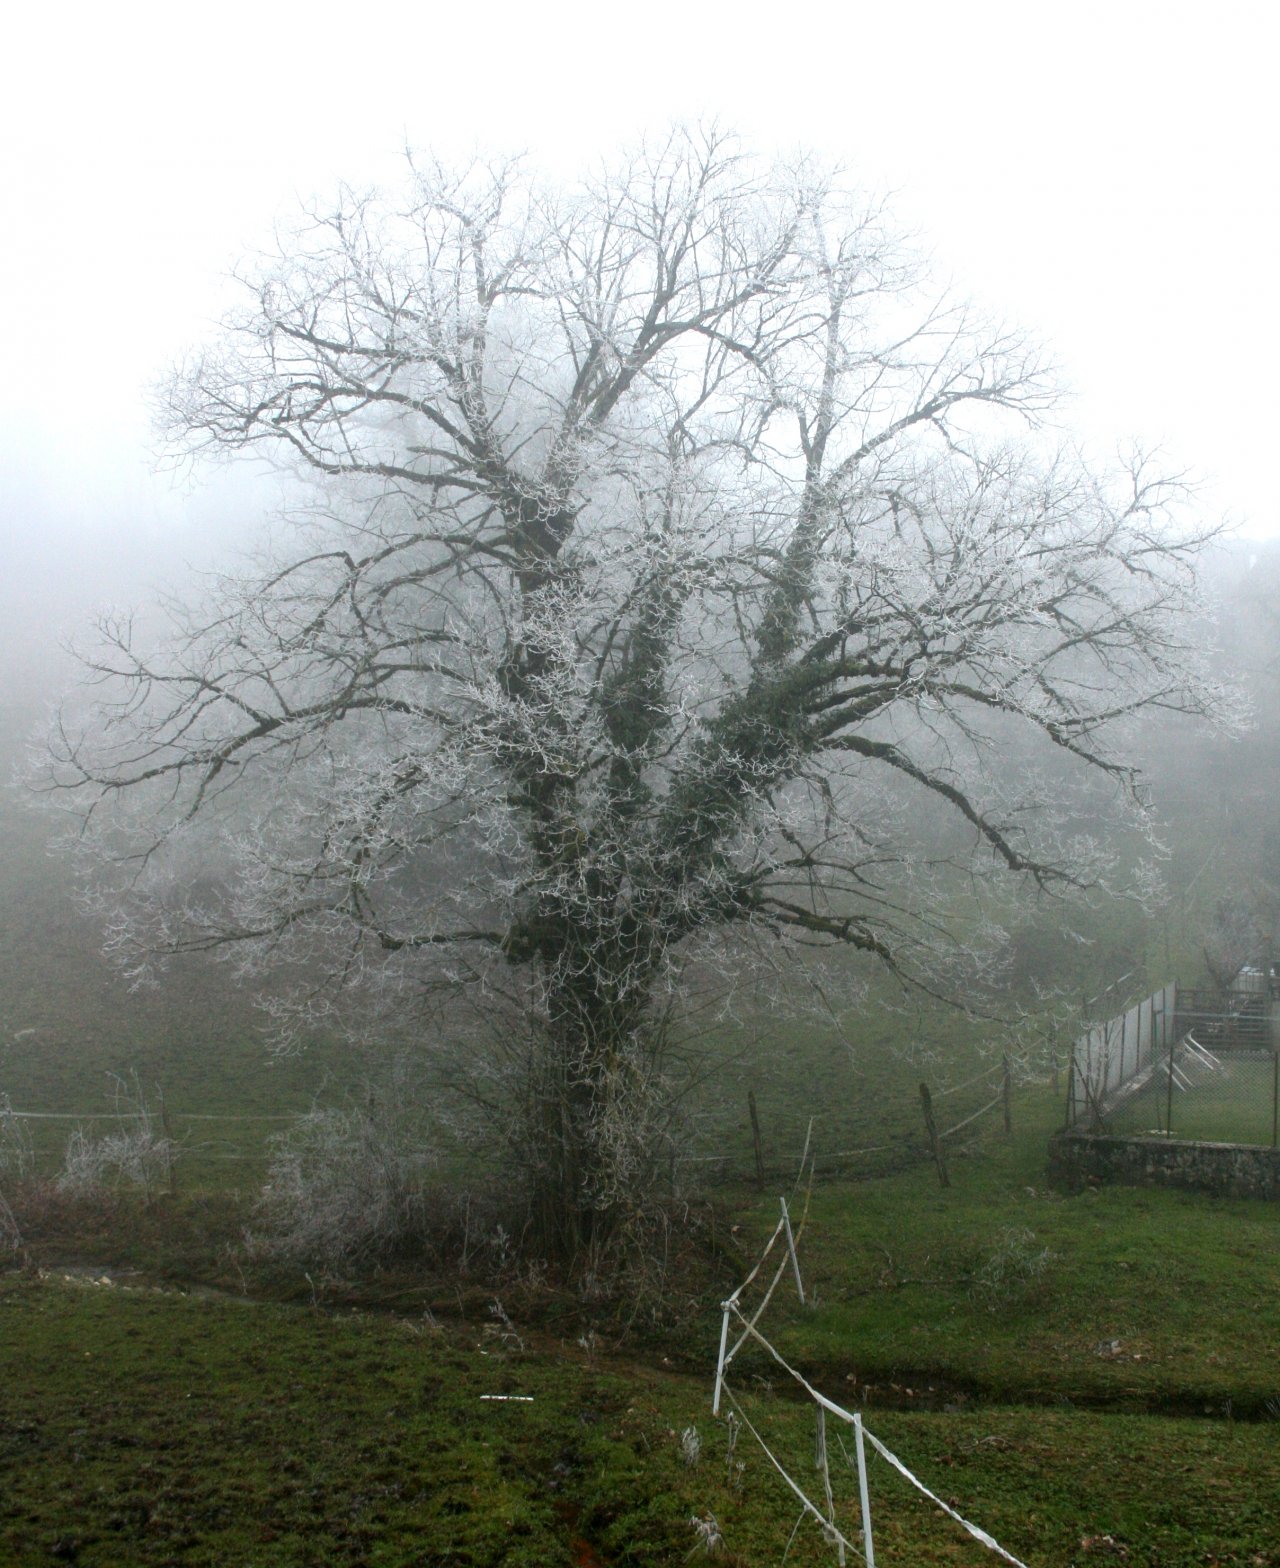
[660, 550]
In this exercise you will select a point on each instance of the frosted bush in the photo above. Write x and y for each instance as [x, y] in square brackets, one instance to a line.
[1012, 1267]
[10, 1235]
[344, 1185]
[16, 1157]
[134, 1154]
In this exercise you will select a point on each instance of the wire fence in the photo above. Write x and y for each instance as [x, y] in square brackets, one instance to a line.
[844, 1531]
[765, 1138]
[757, 1139]
[1124, 1050]
[1207, 1097]
[196, 1149]
[1176, 1066]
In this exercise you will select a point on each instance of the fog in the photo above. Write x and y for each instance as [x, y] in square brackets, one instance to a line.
[1103, 175]
[1106, 180]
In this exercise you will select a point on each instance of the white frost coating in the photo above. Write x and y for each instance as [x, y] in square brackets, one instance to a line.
[668, 572]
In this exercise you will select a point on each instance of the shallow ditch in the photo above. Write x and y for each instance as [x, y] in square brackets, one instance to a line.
[911, 1389]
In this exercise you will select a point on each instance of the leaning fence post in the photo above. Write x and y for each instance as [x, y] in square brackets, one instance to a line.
[755, 1137]
[791, 1247]
[863, 1497]
[935, 1143]
[724, 1341]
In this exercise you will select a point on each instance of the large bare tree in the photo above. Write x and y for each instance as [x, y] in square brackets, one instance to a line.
[666, 550]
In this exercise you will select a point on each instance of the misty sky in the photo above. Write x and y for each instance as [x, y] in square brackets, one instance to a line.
[1105, 175]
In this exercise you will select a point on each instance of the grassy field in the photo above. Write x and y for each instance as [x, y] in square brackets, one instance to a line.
[1233, 1103]
[1002, 1287]
[1089, 1378]
[146, 1427]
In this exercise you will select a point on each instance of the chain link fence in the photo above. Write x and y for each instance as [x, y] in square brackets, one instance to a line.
[1184, 1063]
[1224, 1096]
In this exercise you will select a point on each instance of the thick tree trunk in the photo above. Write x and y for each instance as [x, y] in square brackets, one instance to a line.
[587, 1120]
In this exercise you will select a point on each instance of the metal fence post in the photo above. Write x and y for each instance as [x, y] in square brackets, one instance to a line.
[1124, 1034]
[1168, 1116]
[1275, 1099]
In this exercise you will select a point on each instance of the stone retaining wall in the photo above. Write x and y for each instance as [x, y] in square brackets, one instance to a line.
[1234, 1170]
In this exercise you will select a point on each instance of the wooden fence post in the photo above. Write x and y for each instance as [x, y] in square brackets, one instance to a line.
[170, 1144]
[935, 1143]
[755, 1137]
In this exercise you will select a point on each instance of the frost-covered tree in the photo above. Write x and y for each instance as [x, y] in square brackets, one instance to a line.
[668, 549]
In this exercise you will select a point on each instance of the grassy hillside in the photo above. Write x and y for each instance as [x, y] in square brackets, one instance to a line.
[1120, 1405]
[1091, 1378]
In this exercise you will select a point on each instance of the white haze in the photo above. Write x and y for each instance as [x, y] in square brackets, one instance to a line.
[1105, 174]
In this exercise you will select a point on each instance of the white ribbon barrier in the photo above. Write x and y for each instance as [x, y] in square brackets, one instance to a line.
[826, 1522]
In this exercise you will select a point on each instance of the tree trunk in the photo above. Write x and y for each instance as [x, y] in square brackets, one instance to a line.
[591, 1161]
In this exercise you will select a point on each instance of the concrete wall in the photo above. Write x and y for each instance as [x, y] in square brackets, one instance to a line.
[1234, 1170]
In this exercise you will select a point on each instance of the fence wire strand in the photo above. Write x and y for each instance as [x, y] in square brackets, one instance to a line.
[732, 1306]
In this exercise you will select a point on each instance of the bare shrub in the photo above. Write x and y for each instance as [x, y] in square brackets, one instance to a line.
[10, 1235]
[706, 1533]
[135, 1154]
[345, 1185]
[17, 1159]
[1011, 1269]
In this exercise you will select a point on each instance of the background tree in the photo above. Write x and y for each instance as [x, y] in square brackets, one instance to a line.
[1240, 932]
[667, 549]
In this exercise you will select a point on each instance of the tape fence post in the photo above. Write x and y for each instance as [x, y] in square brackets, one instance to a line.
[868, 1549]
[724, 1340]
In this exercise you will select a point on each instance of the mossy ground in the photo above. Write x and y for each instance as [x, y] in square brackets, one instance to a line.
[151, 1427]
[1122, 1404]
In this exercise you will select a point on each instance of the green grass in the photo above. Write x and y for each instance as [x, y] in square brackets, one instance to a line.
[858, 1086]
[154, 1428]
[1146, 1297]
[1116, 1404]
[1234, 1104]
[1120, 1406]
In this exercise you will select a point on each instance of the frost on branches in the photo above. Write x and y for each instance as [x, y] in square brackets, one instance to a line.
[664, 553]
